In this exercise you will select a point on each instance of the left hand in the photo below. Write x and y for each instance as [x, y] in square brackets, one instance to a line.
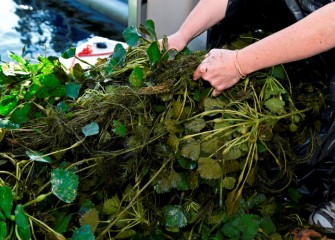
[218, 68]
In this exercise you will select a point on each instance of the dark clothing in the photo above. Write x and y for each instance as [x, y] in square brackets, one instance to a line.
[301, 8]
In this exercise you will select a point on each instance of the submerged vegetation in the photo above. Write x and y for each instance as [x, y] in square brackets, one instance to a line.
[132, 148]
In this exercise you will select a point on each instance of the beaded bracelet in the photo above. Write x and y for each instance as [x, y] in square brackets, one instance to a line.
[238, 68]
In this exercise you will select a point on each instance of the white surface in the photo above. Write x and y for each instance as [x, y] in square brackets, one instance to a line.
[103, 52]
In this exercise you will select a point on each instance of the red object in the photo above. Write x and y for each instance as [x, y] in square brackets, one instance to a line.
[87, 52]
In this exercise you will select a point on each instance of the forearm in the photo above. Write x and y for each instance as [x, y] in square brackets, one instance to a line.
[312, 35]
[205, 14]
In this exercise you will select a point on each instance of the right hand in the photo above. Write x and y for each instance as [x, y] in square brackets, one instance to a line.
[176, 41]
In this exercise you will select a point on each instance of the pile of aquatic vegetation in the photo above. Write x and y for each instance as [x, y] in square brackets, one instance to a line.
[133, 148]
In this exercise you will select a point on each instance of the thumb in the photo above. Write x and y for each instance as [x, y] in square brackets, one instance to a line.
[197, 74]
[216, 92]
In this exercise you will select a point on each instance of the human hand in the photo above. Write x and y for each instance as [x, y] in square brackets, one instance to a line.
[218, 68]
[176, 41]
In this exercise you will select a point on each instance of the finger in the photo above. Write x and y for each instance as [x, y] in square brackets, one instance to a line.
[216, 92]
[200, 71]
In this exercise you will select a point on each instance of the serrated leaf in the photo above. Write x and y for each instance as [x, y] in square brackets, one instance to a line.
[136, 77]
[209, 146]
[22, 223]
[154, 53]
[69, 53]
[232, 154]
[174, 216]
[119, 129]
[173, 142]
[275, 105]
[228, 182]
[38, 156]
[72, 90]
[83, 233]
[91, 217]
[90, 129]
[195, 125]
[131, 35]
[209, 168]
[6, 200]
[125, 234]
[64, 185]
[111, 205]
[191, 150]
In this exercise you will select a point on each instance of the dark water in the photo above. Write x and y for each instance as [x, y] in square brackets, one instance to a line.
[49, 27]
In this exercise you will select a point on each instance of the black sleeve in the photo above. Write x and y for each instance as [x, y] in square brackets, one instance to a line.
[301, 8]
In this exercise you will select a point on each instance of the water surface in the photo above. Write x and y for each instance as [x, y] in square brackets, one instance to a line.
[50, 27]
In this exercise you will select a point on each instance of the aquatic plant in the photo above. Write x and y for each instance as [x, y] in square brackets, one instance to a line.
[133, 148]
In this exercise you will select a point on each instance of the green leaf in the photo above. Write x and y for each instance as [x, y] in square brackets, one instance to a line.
[209, 168]
[21, 115]
[69, 53]
[228, 182]
[119, 129]
[6, 200]
[72, 90]
[62, 221]
[17, 58]
[242, 227]
[62, 107]
[90, 129]
[2, 217]
[22, 223]
[64, 185]
[7, 124]
[31, 91]
[275, 105]
[131, 36]
[7, 104]
[154, 53]
[38, 156]
[213, 104]
[191, 150]
[83, 233]
[174, 216]
[149, 29]
[111, 205]
[117, 60]
[136, 77]
[91, 217]
[195, 125]
[278, 72]
[49, 80]
[125, 234]
[210, 146]
[267, 225]
[58, 91]
[3, 230]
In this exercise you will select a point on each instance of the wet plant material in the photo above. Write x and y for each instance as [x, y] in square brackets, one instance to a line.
[133, 148]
